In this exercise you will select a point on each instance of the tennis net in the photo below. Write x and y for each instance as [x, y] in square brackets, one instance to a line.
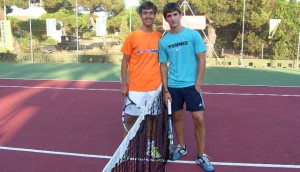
[145, 148]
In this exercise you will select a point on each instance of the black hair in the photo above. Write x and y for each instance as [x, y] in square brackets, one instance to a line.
[147, 5]
[170, 7]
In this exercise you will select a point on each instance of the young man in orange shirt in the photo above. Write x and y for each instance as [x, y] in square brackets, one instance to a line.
[140, 60]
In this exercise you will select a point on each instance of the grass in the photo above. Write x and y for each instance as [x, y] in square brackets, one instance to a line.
[111, 72]
[252, 76]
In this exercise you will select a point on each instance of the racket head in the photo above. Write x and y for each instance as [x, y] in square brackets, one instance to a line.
[123, 122]
[129, 109]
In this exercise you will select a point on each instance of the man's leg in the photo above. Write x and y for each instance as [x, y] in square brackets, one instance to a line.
[198, 117]
[178, 126]
[129, 122]
[202, 159]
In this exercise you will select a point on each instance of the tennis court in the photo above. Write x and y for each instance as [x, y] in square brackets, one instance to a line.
[52, 121]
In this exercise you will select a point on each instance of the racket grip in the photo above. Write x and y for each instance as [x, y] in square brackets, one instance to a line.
[169, 107]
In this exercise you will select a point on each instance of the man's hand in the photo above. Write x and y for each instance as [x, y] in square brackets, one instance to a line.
[124, 89]
[167, 96]
[198, 87]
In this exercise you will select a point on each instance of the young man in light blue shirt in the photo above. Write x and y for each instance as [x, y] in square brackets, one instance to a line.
[185, 50]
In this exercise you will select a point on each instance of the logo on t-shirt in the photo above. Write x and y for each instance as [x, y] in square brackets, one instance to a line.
[147, 51]
[178, 45]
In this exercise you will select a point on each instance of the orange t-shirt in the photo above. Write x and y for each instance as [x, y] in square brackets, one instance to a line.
[143, 67]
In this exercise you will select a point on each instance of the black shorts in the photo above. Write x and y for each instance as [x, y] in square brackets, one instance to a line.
[188, 95]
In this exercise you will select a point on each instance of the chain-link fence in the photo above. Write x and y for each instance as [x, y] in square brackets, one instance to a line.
[72, 37]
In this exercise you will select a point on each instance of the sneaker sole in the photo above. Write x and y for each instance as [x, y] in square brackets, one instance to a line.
[176, 156]
[182, 154]
[202, 166]
[154, 157]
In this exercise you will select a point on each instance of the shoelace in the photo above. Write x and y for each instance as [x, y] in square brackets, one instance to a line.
[206, 159]
[179, 148]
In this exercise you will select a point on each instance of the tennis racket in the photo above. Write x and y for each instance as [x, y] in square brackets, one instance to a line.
[172, 156]
[129, 108]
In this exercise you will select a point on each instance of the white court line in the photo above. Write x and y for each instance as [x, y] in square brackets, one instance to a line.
[283, 86]
[59, 88]
[254, 94]
[53, 152]
[26, 79]
[242, 164]
[98, 89]
[178, 161]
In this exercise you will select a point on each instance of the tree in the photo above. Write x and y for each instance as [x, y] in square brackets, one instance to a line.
[114, 23]
[68, 20]
[8, 3]
[224, 24]
[52, 6]
[124, 30]
[223, 14]
[218, 14]
[285, 41]
[110, 6]
[224, 21]
[113, 6]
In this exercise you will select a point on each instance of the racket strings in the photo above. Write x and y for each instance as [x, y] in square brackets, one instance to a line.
[132, 109]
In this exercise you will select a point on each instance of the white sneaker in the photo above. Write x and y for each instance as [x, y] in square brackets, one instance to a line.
[181, 150]
[154, 152]
[204, 162]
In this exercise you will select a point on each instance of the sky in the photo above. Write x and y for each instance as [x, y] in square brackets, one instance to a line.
[33, 11]
[131, 3]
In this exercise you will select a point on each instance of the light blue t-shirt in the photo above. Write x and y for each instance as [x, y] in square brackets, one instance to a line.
[180, 50]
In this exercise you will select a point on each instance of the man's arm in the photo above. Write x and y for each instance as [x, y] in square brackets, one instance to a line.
[124, 67]
[201, 69]
[164, 76]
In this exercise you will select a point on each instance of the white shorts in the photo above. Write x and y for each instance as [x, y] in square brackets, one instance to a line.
[141, 99]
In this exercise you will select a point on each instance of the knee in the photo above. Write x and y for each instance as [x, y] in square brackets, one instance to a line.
[199, 121]
[177, 117]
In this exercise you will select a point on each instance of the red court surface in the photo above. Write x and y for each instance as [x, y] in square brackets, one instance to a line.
[75, 126]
